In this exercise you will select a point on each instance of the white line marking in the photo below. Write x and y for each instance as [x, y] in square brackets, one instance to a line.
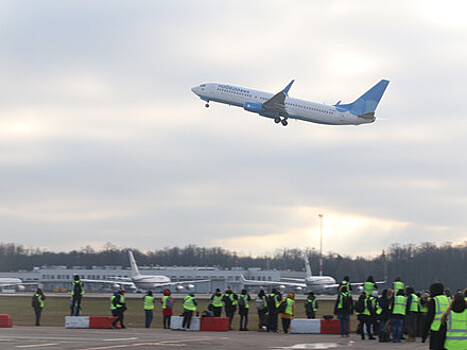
[118, 339]
[35, 345]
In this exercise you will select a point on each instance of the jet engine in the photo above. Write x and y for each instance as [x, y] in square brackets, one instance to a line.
[115, 286]
[190, 287]
[179, 287]
[298, 288]
[21, 288]
[254, 107]
[281, 287]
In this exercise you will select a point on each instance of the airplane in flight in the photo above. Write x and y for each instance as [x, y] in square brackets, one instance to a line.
[144, 282]
[281, 107]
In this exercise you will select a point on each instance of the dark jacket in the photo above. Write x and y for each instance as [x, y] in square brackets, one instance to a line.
[347, 305]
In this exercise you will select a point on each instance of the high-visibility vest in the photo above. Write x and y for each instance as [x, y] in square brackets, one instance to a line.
[189, 304]
[40, 300]
[397, 286]
[376, 306]
[73, 287]
[369, 287]
[456, 333]
[423, 308]
[276, 298]
[340, 304]
[289, 306]
[413, 307]
[148, 302]
[121, 302]
[246, 300]
[313, 304]
[441, 305]
[366, 311]
[112, 306]
[232, 298]
[400, 303]
[217, 300]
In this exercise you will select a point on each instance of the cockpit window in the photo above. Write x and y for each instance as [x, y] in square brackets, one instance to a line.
[202, 85]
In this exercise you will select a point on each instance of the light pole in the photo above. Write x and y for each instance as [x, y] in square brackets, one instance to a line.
[320, 244]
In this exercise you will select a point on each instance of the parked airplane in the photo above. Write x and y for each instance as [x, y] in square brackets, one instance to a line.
[318, 284]
[145, 282]
[281, 107]
[14, 283]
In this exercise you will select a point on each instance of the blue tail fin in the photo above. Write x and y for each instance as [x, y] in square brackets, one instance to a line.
[367, 103]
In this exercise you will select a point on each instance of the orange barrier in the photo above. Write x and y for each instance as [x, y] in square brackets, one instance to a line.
[5, 321]
[214, 324]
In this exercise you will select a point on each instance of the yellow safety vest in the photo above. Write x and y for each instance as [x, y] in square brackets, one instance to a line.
[423, 308]
[112, 306]
[164, 301]
[217, 300]
[397, 286]
[276, 298]
[232, 298]
[73, 287]
[40, 300]
[400, 303]
[289, 307]
[148, 302]
[246, 300]
[414, 303]
[441, 305]
[121, 302]
[369, 287]
[189, 304]
[456, 333]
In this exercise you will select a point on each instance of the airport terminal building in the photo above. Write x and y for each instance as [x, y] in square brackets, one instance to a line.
[59, 278]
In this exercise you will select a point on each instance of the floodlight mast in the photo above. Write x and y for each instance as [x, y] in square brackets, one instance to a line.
[320, 244]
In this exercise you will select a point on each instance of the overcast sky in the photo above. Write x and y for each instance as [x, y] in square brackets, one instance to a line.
[101, 139]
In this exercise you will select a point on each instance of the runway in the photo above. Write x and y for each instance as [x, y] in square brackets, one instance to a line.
[86, 339]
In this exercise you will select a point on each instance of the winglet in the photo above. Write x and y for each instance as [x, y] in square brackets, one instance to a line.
[287, 88]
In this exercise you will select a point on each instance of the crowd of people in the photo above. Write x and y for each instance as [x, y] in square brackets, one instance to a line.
[436, 313]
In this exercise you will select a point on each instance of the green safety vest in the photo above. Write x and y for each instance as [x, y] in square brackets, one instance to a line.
[275, 296]
[246, 300]
[217, 300]
[40, 300]
[340, 304]
[289, 306]
[400, 304]
[397, 286]
[313, 303]
[232, 298]
[164, 301]
[376, 306]
[112, 306]
[148, 302]
[73, 287]
[121, 302]
[423, 309]
[189, 304]
[413, 307]
[367, 310]
[456, 333]
[369, 287]
[441, 305]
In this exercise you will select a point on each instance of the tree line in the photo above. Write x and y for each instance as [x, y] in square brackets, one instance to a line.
[419, 265]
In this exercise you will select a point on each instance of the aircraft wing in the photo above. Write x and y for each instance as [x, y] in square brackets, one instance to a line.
[167, 284]
[273, 283]
[293, 279]
[276, 104]
[119, 282]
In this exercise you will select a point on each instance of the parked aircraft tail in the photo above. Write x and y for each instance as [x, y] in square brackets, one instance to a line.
[134, 267]
[307, 266]
[366, 104]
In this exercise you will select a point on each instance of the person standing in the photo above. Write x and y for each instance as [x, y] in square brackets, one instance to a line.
[243, 308]
[230, 300]
[397, 285]
[262, 309]
[120, 305]
[77, 291]
[343, 308]
[345, 282]
[398, 315]
[167, 308]
[311, 305]
[289, 311]
[113, 308]
[216, 301]
[455, 319]
[274, 300]
[411, 315]
[189, 307]
[385, 304]
[148, 301]
[423, 315]
[38, 304]
[369, 286]
[437, 304]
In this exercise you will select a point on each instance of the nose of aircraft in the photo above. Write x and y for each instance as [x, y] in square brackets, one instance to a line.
[195, 90]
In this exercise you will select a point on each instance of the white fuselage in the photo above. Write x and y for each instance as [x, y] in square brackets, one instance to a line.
[10, 282]
[296, 108]
[148, 282]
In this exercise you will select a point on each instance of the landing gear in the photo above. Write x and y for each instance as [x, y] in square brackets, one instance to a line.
[284, 122]
[277, 120]
[206, 105]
